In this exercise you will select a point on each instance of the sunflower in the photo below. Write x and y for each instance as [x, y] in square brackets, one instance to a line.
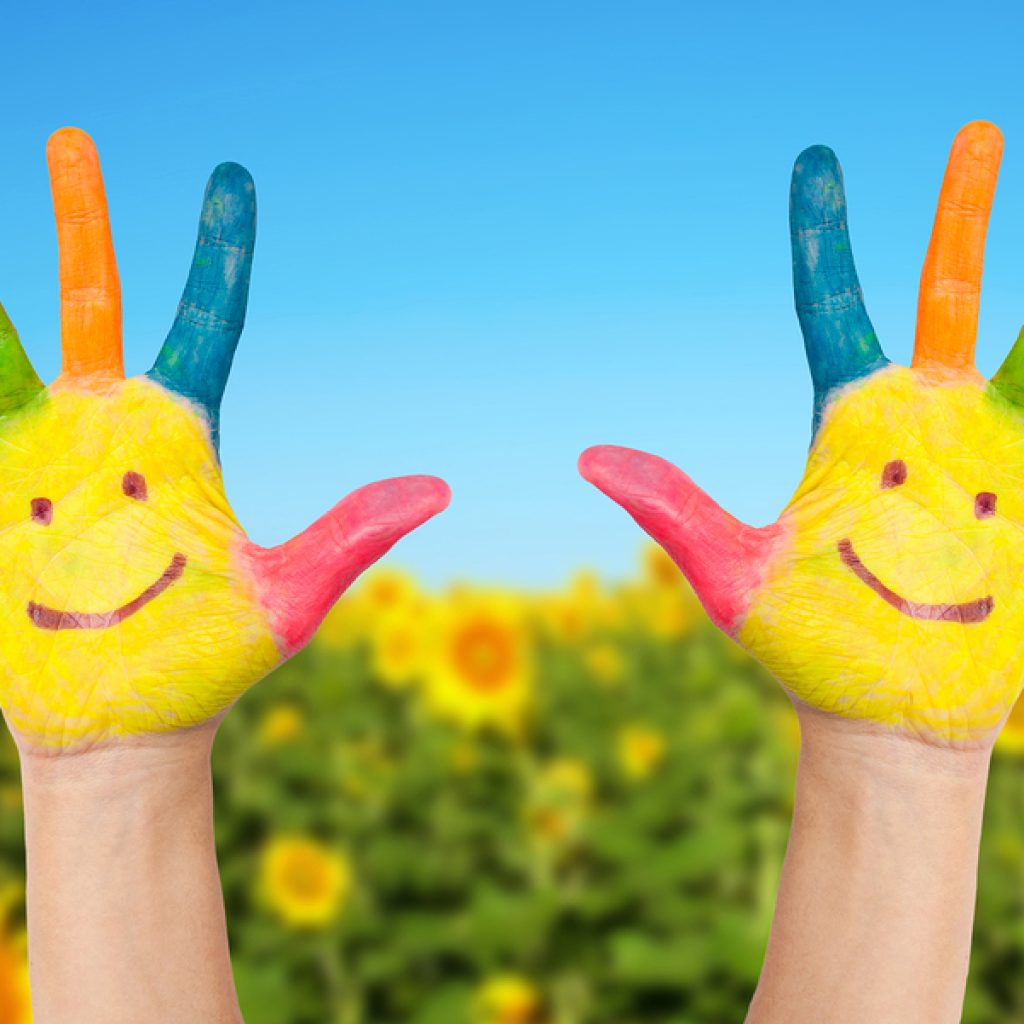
[345, 626]
[387, 589]
[303, 881]
[641, 749]
[508, 999]
[350, 621]
[280, 724]
[604, 662]
[659, 569]
[662, 612]
[560, 800]
[664, 602]
[15, 1002]
[399, 642]
[672, 614]
[480, 670]
[583, 609]
[570, 777]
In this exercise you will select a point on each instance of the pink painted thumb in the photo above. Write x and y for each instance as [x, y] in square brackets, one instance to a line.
[300, 580]
[721, 557]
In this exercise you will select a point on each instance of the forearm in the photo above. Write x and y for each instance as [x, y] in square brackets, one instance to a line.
[876, 900]
[126, 916]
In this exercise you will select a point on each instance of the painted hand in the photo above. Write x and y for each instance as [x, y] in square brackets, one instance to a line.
[889, 589]
[131, 599]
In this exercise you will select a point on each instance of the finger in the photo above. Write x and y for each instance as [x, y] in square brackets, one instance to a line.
[840, 341]
[299, 580]
[90, 290]
[18, 380]
[195, 360]
[947, 306]
[720, 556]
[1009, 378]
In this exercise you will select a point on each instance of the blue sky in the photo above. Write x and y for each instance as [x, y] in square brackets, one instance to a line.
[492, 234]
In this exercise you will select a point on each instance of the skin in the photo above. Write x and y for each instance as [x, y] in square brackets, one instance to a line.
[137, 611]
[885, 600]
[876, 898]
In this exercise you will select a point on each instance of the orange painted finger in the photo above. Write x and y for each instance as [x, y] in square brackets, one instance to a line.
[947, 307]
[90, 290]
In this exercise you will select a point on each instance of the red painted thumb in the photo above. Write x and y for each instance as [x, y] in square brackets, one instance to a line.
[300, 580]
[720, 556]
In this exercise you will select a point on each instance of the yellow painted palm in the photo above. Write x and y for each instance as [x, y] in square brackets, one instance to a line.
[889, 589]
[132, 602]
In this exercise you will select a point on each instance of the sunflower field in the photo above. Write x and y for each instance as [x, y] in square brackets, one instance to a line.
[490, 807]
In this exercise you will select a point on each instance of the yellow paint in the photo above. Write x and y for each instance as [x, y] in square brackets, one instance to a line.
[186, 655]
[834, 642]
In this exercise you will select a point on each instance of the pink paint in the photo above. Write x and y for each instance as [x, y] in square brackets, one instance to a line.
[723, 559]
[300, 580]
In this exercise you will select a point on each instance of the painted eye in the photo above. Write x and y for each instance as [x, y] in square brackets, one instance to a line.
[984, 504]
[894, 474]
[134, 485]
[42, 511]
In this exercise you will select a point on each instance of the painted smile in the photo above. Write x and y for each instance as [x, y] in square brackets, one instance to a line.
[51, 618]
[967, 611]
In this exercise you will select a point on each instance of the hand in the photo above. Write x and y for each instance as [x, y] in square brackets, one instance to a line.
[133, 603]
[888, 590]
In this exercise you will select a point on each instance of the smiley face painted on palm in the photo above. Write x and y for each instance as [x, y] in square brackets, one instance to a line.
[45, 617]
[131, 600]
[889, 589]
[905, 536]
[126, 577]
[895, 475]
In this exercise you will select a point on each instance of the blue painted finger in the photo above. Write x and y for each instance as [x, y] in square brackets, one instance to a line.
[196, 357]
[840, 341]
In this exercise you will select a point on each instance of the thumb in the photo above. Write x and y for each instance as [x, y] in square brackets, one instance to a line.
[300, 580]
[720, 556]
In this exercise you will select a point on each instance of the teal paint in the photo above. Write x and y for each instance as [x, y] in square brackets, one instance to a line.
[839, 339]
[195, 360]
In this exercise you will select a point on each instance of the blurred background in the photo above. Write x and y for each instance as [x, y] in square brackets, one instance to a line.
[521, 780]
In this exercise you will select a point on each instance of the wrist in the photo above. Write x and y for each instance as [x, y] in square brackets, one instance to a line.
[834, 750]
[83, 811]
[147, 763]
[124, 902]
[881, 797]
[876, 898]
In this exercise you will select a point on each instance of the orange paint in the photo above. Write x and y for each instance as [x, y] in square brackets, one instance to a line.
[947, 306]
[90, 290]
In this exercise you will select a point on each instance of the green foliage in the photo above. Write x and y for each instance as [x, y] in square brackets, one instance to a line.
[656, 908]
